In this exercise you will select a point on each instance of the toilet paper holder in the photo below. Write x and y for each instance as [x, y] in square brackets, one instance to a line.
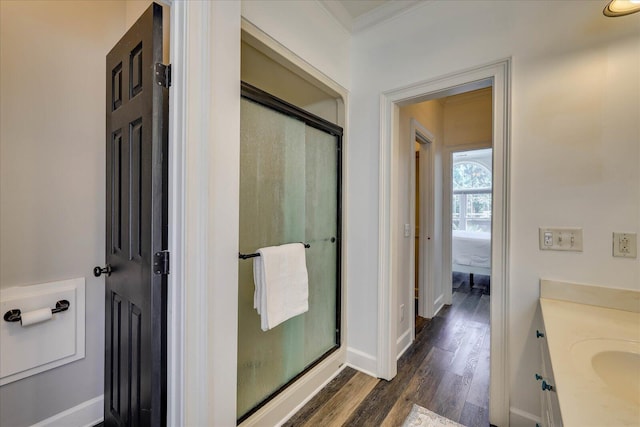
[15, 314]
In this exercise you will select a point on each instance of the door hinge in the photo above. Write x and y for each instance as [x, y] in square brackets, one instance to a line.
[163, 75]
[161, 262]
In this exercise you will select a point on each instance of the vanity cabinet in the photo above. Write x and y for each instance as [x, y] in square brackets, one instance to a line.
[585, 333]
[548, 394]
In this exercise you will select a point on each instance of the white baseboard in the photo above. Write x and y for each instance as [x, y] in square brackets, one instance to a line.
[362, 361]
[311, 396]
[86, 414]
[403, 343]
[520, 418]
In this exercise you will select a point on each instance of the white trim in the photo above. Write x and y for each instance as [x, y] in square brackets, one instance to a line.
[176, 279]
[86, 414]
[312, 395]
[377, 15]
[386, 361]
[499, 304]
[339, 12]
[438, 304]
[362, 361]
[405, 341]
[197, 18]
[385, 12]
[518, 417]
[499, 73]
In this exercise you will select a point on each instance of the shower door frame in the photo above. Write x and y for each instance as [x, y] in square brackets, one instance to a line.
[272, 102]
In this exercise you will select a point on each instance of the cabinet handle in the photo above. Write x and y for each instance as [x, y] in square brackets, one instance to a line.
[546, 386]
[538, 377]
[539, 334]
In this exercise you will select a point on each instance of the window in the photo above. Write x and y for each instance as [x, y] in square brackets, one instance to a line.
[471, 196]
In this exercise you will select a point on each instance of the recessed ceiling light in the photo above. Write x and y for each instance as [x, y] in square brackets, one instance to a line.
[621, 7]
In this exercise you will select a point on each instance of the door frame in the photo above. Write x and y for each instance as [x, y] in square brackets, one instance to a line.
[426, 139]
[497, 75]
[205, 61]
[176, 241]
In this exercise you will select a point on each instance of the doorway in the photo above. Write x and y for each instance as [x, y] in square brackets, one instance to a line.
[422, 209]
[470, 221]
[495, 76]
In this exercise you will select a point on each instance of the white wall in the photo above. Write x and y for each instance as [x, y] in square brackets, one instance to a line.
[308, 30]
[468, 119]
[52, 176]
[574, 150]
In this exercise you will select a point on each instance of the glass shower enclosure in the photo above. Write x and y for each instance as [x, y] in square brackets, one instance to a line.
[290, 191]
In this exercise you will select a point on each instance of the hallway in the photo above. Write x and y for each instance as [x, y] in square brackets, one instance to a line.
[446, 370]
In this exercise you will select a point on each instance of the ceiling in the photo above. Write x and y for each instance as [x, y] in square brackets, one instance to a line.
[357, 8]
[356, 15]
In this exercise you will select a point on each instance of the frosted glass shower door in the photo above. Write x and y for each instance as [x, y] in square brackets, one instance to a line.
[289, 192]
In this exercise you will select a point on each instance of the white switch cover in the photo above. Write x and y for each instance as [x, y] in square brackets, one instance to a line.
[407, 230]
[560, 239]
[625, 245]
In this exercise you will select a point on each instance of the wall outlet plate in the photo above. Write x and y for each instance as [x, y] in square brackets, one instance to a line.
[560, 239]
[625, 245]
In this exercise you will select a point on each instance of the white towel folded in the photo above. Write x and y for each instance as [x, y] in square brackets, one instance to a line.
[281, 284]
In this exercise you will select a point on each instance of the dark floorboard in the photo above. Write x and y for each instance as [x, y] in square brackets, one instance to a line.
[446, 370]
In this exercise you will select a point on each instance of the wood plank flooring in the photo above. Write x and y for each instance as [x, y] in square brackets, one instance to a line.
[446, 370]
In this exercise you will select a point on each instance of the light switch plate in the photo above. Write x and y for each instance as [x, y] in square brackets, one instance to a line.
[560, 239]
[625, 245]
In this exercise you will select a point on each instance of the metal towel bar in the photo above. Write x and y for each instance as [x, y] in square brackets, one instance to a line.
[247, 256]
[306, 245]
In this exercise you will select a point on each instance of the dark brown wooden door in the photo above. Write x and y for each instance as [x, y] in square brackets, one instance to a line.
[136, 228]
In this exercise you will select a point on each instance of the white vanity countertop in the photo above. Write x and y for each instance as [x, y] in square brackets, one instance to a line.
[575, 333]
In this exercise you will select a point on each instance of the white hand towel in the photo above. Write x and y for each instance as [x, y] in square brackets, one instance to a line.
[281, 284]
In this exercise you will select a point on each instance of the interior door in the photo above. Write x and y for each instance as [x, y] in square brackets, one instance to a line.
[136, 227]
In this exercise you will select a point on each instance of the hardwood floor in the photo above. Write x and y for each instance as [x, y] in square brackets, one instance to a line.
[446, 370]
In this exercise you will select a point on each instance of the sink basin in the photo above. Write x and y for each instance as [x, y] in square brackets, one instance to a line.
[620, 370]
[615, 362]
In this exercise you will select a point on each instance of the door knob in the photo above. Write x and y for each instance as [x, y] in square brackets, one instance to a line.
[98, 271]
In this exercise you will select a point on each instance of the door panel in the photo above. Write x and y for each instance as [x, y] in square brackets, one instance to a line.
[136, 228]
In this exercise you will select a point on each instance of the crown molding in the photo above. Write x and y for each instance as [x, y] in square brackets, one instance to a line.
[387, 11]
[339, 12]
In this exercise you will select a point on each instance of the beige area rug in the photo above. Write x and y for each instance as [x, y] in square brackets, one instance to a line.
[422, 417]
